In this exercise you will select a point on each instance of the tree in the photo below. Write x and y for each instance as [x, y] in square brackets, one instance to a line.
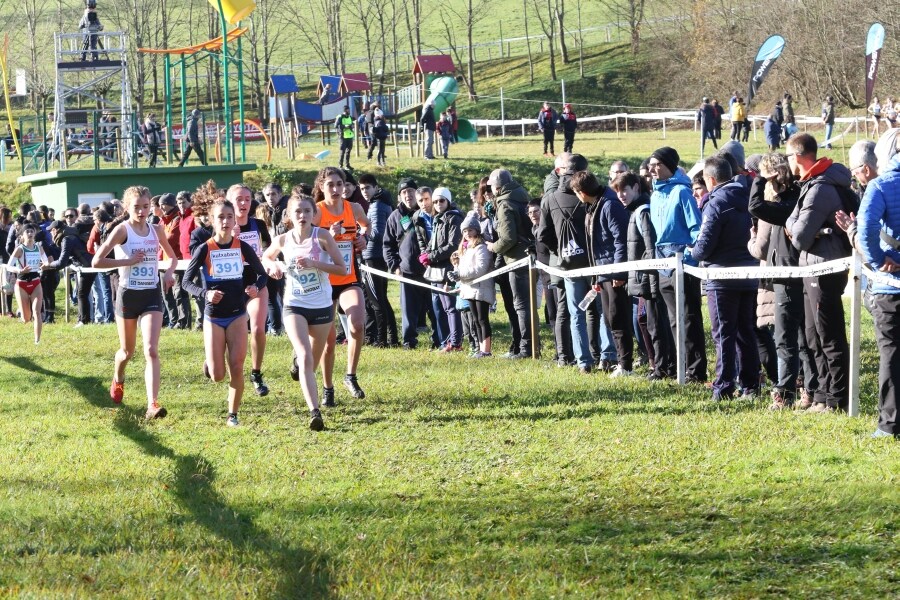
[559, 11]
[34, 14]
[548, 26]
[632, 11]
[135, 18]
[474, 11]
[266, 32]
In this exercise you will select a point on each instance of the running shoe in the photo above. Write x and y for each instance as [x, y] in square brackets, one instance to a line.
[232, 421]
[295, 369]
[328, 397]
[155, 411]
[258, 386]
[353, 386]
[117, 391]
[315, 420]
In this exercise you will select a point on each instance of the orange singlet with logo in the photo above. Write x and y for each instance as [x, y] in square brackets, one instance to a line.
[344, 239]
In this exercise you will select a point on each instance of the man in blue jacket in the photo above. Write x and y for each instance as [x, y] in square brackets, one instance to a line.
[722, 242]
[381, 205]
[879, 227]
[676, 219]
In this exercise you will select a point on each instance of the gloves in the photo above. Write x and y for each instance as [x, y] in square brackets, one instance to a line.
[423, 258]
[453, 276]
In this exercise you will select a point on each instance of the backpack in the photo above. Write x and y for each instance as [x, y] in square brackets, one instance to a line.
[571, 254]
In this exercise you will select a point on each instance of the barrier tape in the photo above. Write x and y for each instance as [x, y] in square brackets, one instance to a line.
[407, 281]
[522, 262]
[827, 268]
[635, 265]
[880, 277]
[181, 265]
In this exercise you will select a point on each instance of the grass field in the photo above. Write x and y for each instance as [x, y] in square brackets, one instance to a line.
[451, 479]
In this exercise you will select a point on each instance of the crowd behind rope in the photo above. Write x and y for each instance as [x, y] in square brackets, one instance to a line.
[291, 263]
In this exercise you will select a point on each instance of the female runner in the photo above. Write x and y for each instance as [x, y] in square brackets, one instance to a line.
[139, 302]
[222, 260]
[28, 260]
[342, 218]
[253, 231]
[310, 255]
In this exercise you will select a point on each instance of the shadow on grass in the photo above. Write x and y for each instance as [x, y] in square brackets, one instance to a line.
[303, 574]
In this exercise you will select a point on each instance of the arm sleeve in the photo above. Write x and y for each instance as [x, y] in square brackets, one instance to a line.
[812, 216]
[871, 210]
[254, 263]
[193, 270]
[65, 255]
[618, 223]
[709, 234]
[390, 248]
[775, 213]
[546, 233]
[692, 217]
[506, 230]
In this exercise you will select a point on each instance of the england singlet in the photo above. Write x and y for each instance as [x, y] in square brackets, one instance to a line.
[144, 275]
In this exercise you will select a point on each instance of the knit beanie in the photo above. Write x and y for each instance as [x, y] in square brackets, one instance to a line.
[471, 222]
[407, 183]
[668, 156]
[444, 193]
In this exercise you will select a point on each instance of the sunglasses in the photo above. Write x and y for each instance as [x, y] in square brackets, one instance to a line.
[69, 216]
[441, 200]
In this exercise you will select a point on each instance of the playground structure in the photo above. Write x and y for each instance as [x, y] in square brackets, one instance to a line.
[109, 132]
[291, 118]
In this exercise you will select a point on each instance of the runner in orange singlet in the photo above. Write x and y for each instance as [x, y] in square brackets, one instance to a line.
[344, 220]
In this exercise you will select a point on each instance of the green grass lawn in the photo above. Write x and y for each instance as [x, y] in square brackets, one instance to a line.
[453, 478]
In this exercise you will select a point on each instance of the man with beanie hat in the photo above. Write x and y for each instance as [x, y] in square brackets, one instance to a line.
[676, 219]
[402, 248]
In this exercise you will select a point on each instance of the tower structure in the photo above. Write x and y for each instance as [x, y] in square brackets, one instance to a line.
[99, 74]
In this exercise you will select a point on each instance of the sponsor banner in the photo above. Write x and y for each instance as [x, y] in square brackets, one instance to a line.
[766, 56]
[874, 43]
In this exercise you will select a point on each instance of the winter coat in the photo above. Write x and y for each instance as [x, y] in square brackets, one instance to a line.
[706, 116]
[380, 130]
[738, 112]
[675, 216]
[446, 130]
[554, 208]
[606, 224]
[547, 120]
[474, 263]
[818, 201]
[72, 251]
[880, 211]
[773, 132]
[191, 130]
[723, 237]
[380, 210]
[428, 118]
[758, 246]
[828, 113]
[186, 226]
[641, 245]
[445, 236]
[513, 225]
[401, 246]
[200, 236]
[569, 122]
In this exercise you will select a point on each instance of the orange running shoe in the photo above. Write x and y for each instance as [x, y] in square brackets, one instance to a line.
[155, 411]
[117, 391]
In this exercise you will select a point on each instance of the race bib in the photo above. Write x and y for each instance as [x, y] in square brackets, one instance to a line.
[33, 260]
[145, 275]
[226, 264]
[305, 281]
[346, 250]
[252, 238]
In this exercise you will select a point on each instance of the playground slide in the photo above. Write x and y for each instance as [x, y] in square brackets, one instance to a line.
[444, 91]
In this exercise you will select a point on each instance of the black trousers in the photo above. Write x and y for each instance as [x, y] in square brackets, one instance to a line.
[568, 140]
[695, 337]
[560, 321]
[198, 148]
[481, 311]
[736, 127]
[616, 305]
[765, 345]
[414, 302]
[385, 321]
[346, 147]
[886, 310]
[508, 305]
[522, 294]
[548, 140]
[49, 283]
[178, 304]
[85, 283]
[790, 340]
[154, 152]
[826, 336]
[659, 328]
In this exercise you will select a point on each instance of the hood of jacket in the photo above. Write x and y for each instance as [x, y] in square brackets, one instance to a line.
[678, 178]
